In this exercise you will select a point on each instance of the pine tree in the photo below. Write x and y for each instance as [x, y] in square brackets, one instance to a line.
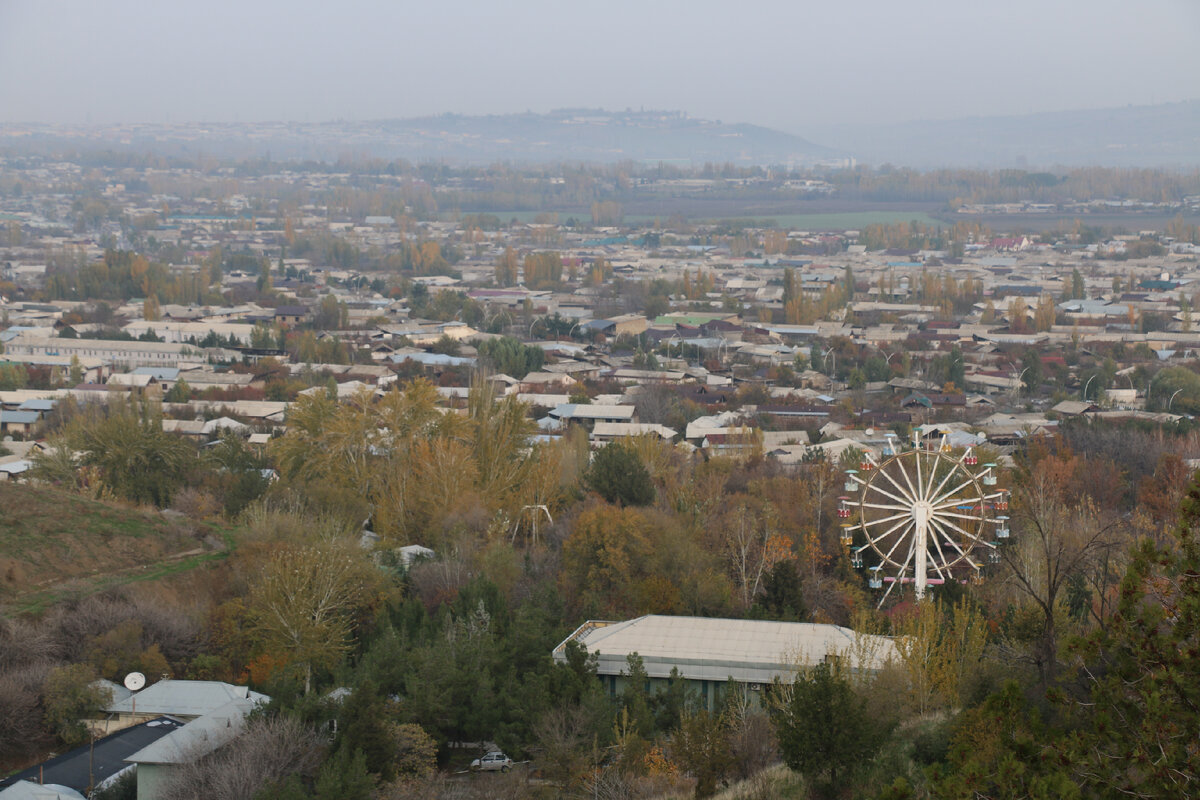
[1143, 674]
[825, 729]
[619, 476]
[345, 777]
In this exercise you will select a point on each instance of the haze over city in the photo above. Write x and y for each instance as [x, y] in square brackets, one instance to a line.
[781, 64]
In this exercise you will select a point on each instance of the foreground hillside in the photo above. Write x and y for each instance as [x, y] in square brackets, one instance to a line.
[49, 539]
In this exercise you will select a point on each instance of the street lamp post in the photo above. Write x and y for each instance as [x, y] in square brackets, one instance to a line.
[1086, 385]
[825, 361]
[497, 315]
[1172, 400]
[1019, 377]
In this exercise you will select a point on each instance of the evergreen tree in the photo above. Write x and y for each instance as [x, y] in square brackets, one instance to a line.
[345, 777]
[618, 475]
[363, 732]
[1143, 675]
[825, 729]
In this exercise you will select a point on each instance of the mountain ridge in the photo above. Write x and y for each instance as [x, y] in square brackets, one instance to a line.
[583, 135]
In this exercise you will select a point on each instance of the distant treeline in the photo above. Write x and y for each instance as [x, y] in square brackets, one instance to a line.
[425, 190]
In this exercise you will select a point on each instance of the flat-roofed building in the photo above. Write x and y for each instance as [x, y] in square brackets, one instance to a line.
[119, 353]
[183, 332]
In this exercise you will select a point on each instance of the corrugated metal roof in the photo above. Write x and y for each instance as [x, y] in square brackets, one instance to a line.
[183, 698]
[27, 790]
[199, 737]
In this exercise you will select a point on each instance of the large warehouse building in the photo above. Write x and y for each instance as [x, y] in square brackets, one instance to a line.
[709, 652]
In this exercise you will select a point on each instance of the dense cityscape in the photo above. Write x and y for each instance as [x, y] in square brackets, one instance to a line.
[533, 401]
[449, 489]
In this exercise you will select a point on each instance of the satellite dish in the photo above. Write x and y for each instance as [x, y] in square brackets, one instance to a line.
[869, 431]
[135, 681]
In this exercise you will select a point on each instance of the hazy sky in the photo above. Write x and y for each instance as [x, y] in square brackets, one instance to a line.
[785, 64]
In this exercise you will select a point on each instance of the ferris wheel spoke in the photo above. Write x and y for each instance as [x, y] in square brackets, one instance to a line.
[876, 540]
[970, 536]
[916, 493]
[937, 565]
[905, 502]
[958, 501]
[950, 540]
[886, 506]
[965, 557]
[912, 492]
[941, 485]
[883, 599]
[899, 539]
[884, 520]
[945, 534]
[947, 495]
[971, 517]
[952, 469]
[908, 498]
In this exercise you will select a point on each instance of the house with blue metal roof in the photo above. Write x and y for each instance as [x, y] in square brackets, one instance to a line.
[18, 422]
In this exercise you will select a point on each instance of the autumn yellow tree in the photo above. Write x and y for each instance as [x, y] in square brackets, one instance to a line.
[775, 242]
[307, 600]
[938, 648]
[1044, 314]
[604, 557]
[150, 309]
[414, 465]
[506, 268]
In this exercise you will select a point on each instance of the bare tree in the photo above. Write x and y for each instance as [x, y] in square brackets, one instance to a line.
[21, 732]
[268, 750]
[23, 644]
[564, 743]
[1057, 539]
[753, 547]
[177, 633]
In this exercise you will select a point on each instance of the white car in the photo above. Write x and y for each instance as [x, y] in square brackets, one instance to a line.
[493, 761]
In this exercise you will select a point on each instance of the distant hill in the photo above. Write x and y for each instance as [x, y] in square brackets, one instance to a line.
[564, 135]
[1161, 135]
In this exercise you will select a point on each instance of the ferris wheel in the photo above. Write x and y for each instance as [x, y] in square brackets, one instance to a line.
[922, 516]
